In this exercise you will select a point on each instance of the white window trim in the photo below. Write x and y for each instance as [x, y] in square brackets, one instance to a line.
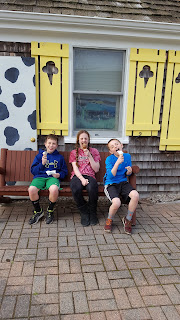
[98, 140]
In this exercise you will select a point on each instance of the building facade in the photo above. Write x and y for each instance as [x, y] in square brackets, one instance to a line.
[112, 68]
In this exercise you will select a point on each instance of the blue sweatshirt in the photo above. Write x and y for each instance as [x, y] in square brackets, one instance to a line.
[121, 171]
[55, 161]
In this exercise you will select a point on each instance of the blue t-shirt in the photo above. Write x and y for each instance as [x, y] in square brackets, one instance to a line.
[121, 171]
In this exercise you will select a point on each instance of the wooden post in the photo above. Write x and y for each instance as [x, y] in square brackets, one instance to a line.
[2, 174]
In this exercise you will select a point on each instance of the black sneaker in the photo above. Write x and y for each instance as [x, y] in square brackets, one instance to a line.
[49, 216]
[36, 217]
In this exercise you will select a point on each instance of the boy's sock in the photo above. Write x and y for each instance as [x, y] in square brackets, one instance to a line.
[110, 216]
[51, 205]
[36, 205]
[129, 215]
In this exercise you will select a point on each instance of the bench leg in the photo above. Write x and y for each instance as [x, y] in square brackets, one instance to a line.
[134, 218]
[5, 199]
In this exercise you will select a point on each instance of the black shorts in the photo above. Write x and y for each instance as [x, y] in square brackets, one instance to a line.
[116, 190]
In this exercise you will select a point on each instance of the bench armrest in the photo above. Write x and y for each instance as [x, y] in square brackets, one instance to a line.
[2, 171]
[135, 169]
[132, 177]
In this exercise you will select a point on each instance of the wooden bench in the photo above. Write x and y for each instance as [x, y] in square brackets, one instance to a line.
[15, 166]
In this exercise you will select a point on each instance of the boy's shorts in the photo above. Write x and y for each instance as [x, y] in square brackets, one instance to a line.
[115, 190]
[45, 183]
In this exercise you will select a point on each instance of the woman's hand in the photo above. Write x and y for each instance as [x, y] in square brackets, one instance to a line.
[84, 181]
[87, 153]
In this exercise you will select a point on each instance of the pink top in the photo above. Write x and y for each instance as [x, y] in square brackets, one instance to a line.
[83, 161]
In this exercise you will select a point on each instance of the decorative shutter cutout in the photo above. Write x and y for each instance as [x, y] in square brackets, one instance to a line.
[51, 87]
[170, 131]
[145, 90]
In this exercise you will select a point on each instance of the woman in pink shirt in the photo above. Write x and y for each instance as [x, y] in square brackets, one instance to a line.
[85, 162]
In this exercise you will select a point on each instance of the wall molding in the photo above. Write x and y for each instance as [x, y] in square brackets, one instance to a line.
[28, 24]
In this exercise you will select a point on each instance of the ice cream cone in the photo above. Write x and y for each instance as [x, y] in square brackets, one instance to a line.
[84, 146]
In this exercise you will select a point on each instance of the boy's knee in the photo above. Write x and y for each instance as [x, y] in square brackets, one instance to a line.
[135, 195]
[53, 189]
[116, 203]
[33, 190]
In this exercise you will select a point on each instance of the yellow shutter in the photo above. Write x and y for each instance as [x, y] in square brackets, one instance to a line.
[170, 131]
[51, 87]
[144, 92]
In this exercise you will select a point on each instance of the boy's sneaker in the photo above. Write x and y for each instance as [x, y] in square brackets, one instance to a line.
[127, 225]
[36, 217]
[108, 225]
[49, 216]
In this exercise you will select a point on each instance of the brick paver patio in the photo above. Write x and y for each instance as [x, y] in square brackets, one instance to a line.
[66, 272]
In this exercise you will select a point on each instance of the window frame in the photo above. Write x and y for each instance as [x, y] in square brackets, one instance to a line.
[102, 138]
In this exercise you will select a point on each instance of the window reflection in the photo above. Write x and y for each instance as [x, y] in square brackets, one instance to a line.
[96, 112]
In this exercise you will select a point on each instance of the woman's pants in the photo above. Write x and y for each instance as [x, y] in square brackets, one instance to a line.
[77, 188]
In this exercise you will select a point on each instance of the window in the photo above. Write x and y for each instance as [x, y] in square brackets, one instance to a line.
[98, 92]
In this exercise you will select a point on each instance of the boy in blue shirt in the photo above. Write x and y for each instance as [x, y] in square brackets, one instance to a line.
[48, 168]
[118, 167]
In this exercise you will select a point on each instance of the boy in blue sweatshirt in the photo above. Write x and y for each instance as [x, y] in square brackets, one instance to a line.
[118, 167]
[48, 168]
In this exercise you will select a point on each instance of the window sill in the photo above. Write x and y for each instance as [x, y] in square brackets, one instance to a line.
[124, 140]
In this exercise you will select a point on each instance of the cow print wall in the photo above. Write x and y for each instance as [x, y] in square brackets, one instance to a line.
[17, 103]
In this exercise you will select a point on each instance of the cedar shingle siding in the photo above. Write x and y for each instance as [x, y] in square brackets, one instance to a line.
[157, 10]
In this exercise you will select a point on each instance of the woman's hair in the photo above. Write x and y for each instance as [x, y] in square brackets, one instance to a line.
[77, 143]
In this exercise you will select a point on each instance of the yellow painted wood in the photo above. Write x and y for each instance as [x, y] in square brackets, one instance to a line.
[173, 57]
[50, 94]
[144, 101]
[50, 49]
[65, 68]
[52, 110]
[144, 126]
[143, 113]
[144, 55]
[56, 126]
[37, 94]
[132, 82]
[158, 96]
[170, 132]
[174, 142]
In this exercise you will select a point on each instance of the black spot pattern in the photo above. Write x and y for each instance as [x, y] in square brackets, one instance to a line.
[19, 99]
[32, 120]
[0, 90]
[11, 135]
[28, 61]
[28, 149]
[4, 113]
[34, 81]
[12, 74]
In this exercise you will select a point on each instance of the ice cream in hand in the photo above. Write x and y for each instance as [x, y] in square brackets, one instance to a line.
[84, 146]
[120, 152]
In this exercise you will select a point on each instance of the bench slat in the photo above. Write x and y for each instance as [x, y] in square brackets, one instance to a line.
[18, 165]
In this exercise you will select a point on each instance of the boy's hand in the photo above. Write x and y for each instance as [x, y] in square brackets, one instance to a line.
[44, 159]
[129, 170]
[56, 175]
[120, 159]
